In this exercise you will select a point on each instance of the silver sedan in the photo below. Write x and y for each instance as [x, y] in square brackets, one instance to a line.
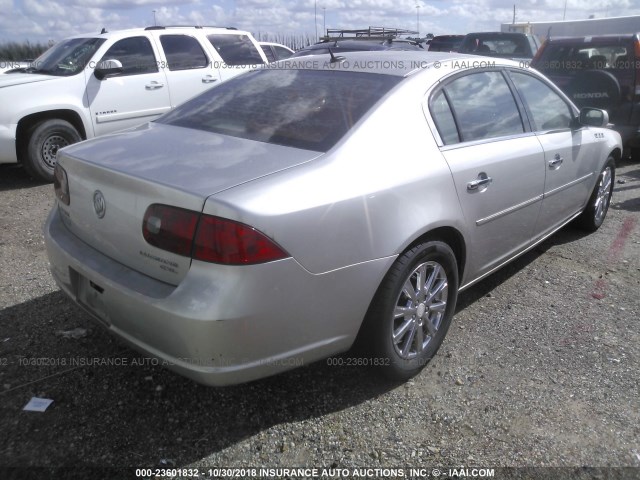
[281, 216]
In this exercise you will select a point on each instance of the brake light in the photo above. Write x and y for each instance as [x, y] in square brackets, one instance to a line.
[170, 228]
[220, 240]
[207, 238]
[61, 184]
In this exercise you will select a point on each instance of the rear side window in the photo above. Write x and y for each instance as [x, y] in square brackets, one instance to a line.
[236, 49]
[445, 123]
[483, 106]
[281, 53]
[183, 52]
[307, 109]
[135, 54]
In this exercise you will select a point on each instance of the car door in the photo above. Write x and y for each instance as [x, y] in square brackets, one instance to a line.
[136, 95]
[497, 165]
[570, 154]
[188, 69]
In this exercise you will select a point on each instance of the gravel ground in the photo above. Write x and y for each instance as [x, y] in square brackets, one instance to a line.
[540, 369]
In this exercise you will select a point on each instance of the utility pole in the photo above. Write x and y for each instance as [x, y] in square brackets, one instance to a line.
[514, 14]
[564, 14]
[315, 17]
[324, 20]
[418, 19]
[154, 18]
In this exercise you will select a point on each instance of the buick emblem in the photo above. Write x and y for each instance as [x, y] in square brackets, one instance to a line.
[99, 204]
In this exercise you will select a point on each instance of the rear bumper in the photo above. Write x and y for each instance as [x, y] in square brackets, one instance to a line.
[222, 325]
[8, 144]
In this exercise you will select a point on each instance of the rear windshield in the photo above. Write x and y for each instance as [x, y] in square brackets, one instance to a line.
[499, 45]
[308, 109]
[567, 58]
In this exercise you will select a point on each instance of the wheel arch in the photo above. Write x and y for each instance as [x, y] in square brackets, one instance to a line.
[616, 153]
[26, 123]
[452, 237]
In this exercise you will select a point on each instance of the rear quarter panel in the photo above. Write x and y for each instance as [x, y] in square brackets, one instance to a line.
[378, 190]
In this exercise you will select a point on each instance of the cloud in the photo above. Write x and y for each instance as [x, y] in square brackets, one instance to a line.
[40, 20]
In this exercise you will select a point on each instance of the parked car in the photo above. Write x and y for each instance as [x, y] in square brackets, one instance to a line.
[241, 235]
[275, 51]
[360, 45]
[90, 85]
[445, 43]
[599, 71]
[516, 46]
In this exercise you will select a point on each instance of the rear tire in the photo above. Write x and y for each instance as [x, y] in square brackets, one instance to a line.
[594, 214]
[45, 139]
[412, 310]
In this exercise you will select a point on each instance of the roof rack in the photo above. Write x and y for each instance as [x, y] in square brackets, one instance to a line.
[380, 33]
[162, 27]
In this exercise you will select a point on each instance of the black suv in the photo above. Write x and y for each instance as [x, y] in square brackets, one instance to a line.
[445, 43]
[602, 72]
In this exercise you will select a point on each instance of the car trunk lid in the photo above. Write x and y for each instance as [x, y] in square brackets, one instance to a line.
[113, 181]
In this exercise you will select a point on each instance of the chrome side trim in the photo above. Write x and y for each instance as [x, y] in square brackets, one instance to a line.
[567, 185]
[509, 210]
[537, 242]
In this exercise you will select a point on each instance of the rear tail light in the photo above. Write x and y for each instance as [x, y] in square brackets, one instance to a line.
[61, 184]
[170, 228]
[207, 238]
[224, 241]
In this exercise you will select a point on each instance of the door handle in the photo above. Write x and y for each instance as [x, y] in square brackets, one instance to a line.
[481, 181]
[154, 85]
[208, 79]
[556, 161]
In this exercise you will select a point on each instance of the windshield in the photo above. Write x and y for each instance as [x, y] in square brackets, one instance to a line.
[67, 57]
[308, 109]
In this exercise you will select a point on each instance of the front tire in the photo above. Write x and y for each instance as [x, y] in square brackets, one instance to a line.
[594, 214]
[45, 139]
[412, 310]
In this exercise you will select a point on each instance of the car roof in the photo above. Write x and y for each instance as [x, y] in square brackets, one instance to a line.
[496, 34]
[398, 63]
[595, 38]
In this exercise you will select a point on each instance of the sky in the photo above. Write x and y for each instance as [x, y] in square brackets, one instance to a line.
[52, 20]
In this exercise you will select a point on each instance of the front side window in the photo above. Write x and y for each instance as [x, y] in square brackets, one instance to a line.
[236, 49]
[483, 106]
[548, 109]
[307, 109]
[67, 57]
[135, 54]
[183, 52]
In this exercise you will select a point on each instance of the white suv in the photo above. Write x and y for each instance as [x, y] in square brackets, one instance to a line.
[90, 85]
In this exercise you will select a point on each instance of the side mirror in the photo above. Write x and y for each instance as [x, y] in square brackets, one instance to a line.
[593, 117]
[108, 67]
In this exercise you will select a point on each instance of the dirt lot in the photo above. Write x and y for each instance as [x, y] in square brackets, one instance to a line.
[540, 368]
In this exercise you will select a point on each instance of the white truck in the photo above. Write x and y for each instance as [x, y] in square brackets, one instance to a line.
[91, 85]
